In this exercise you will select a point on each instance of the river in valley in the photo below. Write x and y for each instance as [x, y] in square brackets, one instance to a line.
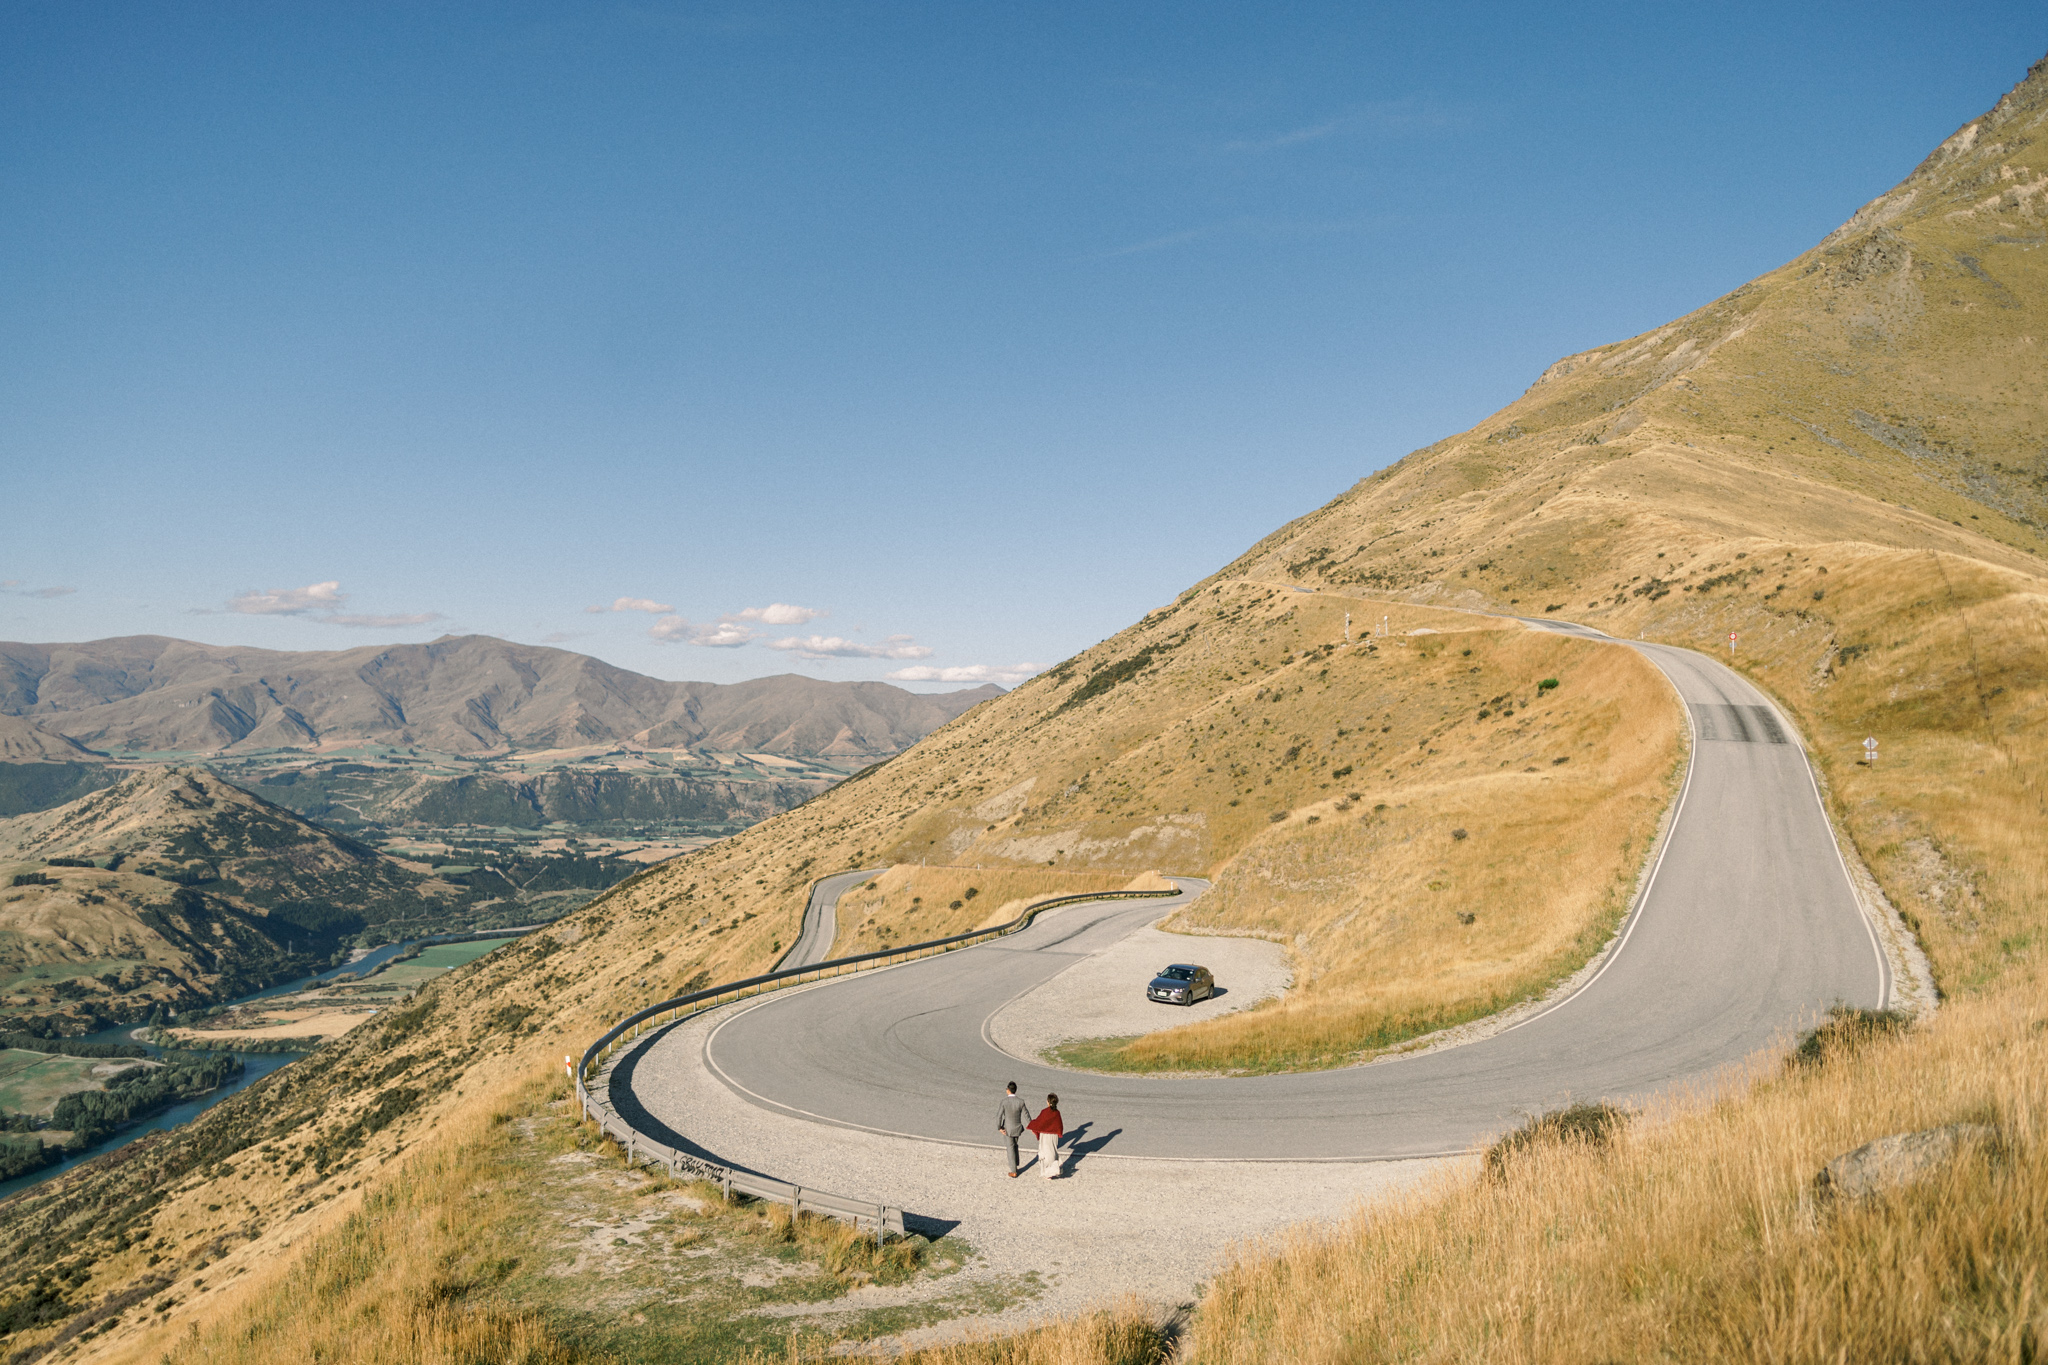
[255, 1065]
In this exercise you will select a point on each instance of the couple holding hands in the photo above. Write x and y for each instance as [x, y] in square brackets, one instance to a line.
[1011, 1121]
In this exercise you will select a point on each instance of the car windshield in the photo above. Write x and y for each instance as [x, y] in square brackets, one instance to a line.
[1179, 973]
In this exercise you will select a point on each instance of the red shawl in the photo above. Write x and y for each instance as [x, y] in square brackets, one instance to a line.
[1048, 1121]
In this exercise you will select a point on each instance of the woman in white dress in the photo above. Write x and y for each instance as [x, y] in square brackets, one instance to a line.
[1050, 1129]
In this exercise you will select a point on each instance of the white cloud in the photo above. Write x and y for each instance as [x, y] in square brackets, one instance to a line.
[836, 647]
[777, 614]
[1004, 675]
[412, 618]
[322, 602]
[289, 601]
[724, 635]
[12, 587]
[646, 604]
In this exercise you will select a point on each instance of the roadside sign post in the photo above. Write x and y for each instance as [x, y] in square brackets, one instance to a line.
[1870, 751]
[1731, 642]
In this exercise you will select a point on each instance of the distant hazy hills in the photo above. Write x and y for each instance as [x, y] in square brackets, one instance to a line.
[469, 694]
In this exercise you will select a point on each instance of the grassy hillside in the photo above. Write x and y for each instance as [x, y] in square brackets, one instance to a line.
[1841, 462]
[1172, 747]
[174, 888]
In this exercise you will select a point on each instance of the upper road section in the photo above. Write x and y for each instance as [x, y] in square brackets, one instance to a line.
[1747, 930]
[821, 919]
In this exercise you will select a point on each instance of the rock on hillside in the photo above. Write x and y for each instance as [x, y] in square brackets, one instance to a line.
[460, 694]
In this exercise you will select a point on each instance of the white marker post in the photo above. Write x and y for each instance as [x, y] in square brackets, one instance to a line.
[1347, 627]
[1870, 751]
[1731, 644]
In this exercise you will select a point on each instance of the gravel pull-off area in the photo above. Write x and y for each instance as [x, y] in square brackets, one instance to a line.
[1043, 1248]
[1103, 995]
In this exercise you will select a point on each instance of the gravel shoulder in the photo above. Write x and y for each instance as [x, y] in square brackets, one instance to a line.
[1044, 1248]
[1103, 995]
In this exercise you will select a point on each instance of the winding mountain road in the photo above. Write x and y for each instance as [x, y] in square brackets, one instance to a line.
[821, 918]
[1748, 929]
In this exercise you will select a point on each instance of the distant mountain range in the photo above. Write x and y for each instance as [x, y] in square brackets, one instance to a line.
[466, 694]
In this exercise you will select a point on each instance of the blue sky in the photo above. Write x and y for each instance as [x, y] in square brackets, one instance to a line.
[843, 338]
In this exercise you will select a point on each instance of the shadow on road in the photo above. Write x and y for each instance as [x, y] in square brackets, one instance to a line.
[1080, 1148]
[628, 1107]
[634, 1113]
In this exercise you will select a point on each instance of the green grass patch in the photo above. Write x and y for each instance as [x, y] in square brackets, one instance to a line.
[33, 1082]
[433, 961]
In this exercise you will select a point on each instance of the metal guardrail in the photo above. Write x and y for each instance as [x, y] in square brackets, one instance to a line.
[882, 1218]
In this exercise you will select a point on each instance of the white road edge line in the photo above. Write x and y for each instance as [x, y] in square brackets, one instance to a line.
[1884, 965]
[776, 1106]
[1186, 897]
[1627, 932]
[1635, 917]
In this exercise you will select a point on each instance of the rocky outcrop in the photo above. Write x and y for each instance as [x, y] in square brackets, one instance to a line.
[1891, 1163]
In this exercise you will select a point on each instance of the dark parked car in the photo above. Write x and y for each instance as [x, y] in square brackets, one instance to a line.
[1181, 984]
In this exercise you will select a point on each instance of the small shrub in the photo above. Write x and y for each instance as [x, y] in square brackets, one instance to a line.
[1587, 1125]
[1546, 685]
[1846, 1031]
[1459, 834]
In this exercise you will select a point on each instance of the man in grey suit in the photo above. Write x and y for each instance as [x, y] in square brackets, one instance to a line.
[1011, 1116]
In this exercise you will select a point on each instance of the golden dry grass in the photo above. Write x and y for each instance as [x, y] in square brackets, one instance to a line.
[1686, 1240]
[394, 1283]
[1419, 910]
[1875, 407]
[1124, 1333]
[913, 901]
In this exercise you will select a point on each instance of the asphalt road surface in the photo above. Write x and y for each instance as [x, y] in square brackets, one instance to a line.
[1748, 931]
[821, 920]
